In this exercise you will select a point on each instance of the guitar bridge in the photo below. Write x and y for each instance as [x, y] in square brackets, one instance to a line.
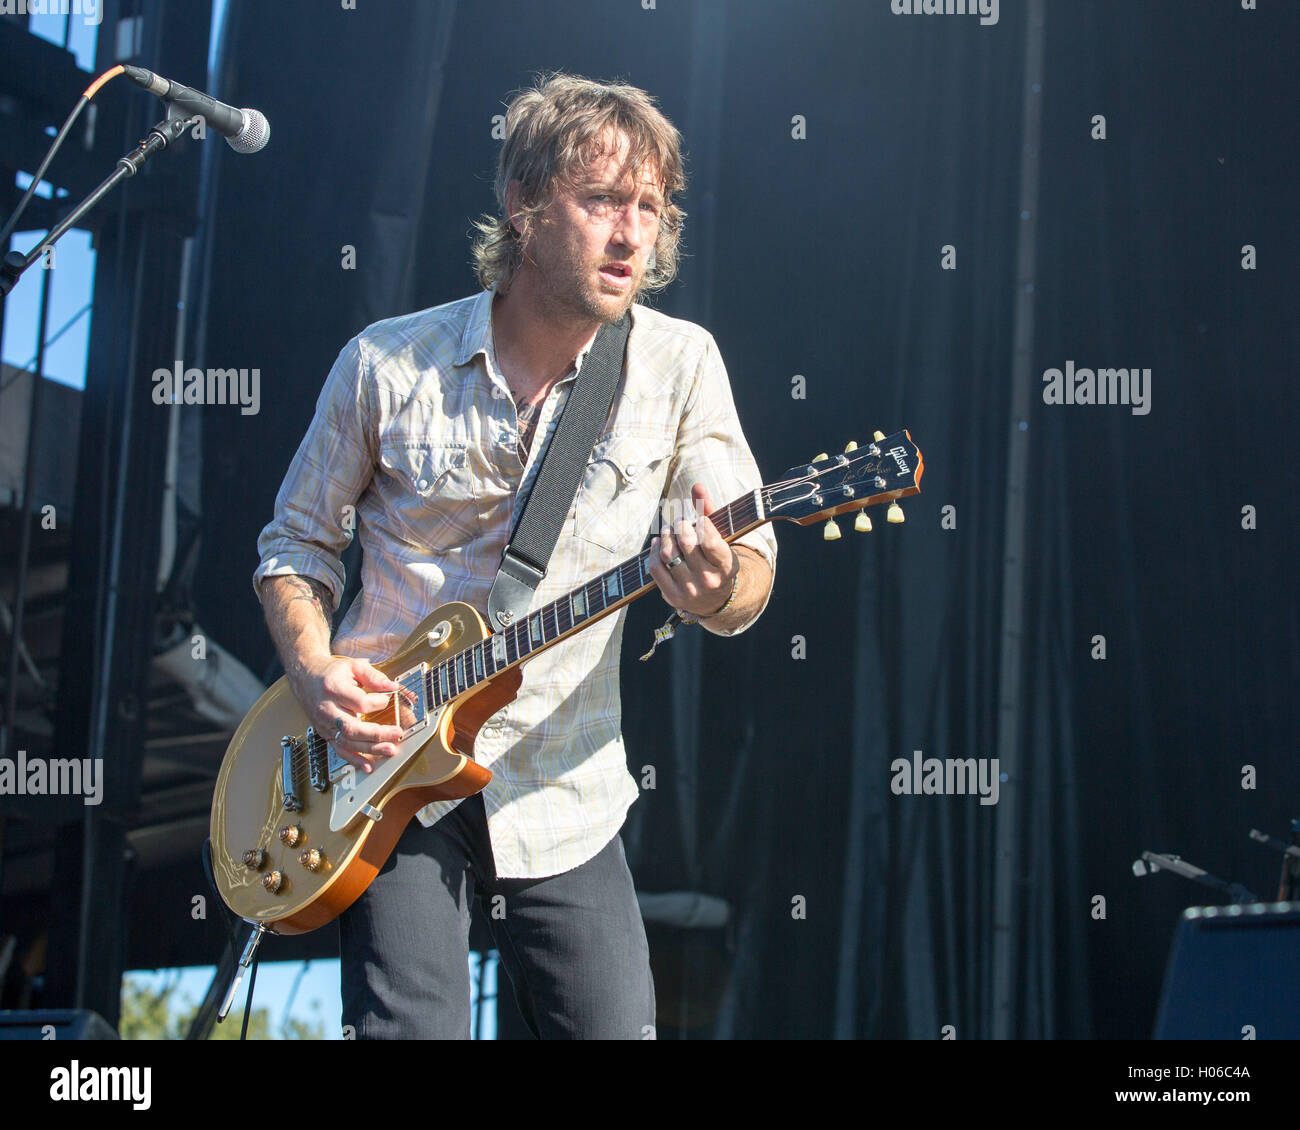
[317, 760]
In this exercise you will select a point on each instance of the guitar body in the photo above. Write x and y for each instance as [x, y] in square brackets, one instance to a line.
[354, 822]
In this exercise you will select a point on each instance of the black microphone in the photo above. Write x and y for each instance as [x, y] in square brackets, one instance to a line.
[247, 131]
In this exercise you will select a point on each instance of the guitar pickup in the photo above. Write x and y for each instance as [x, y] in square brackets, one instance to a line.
[412, 707]
[290, 747]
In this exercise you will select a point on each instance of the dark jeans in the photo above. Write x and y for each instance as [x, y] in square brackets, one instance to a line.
[573, 945]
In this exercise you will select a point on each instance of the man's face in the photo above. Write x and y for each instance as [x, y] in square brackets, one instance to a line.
[590, 247]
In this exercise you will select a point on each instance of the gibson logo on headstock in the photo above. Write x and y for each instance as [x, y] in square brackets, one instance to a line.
[898, 453]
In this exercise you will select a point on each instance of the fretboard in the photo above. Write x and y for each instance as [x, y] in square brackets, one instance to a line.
[584, 605]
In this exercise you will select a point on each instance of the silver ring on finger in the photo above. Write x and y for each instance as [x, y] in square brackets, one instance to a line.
[675, 561]
[338, 728]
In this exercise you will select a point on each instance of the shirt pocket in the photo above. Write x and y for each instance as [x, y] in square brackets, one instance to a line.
[617, 506]
[433, 494]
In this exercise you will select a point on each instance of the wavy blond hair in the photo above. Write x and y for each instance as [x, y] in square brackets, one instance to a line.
[554, 131]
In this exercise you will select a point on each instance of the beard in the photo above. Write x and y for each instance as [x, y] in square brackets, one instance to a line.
[572, 288]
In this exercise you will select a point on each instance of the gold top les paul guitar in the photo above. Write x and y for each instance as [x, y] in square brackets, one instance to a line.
[298, 833]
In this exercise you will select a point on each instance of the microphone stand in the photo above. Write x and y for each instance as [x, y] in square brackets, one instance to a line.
[1152, 861]
[158, 139]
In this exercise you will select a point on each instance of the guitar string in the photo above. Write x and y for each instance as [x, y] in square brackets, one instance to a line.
[738, 513]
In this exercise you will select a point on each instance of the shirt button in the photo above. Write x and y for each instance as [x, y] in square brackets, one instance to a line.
[423, 484]
[631, 470]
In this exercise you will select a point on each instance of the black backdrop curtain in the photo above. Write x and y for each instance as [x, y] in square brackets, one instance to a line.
[856, 912]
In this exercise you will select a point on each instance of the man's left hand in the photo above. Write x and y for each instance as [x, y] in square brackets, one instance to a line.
[692, 563]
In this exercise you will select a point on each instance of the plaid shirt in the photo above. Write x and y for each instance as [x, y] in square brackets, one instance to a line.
[414, 443]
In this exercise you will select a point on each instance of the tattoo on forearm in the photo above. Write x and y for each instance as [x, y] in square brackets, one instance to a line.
[311, 591]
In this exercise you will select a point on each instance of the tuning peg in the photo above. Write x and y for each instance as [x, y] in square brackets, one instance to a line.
[877, 436]
[895, 513]
[819, 458]
[830, 532]
[863, 523]
[853, 446]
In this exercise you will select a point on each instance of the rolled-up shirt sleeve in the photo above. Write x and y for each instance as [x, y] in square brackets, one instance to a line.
[712, 450]
[315, 510]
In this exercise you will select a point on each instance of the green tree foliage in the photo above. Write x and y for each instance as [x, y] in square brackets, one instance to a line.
[163, 1014]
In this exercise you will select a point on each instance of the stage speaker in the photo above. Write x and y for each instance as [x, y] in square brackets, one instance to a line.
[1234, 972]
[55, 1024]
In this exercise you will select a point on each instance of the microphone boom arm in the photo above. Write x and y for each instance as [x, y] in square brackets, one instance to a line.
[158, 138]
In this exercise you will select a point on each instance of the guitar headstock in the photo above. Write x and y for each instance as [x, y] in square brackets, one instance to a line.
[885, 470]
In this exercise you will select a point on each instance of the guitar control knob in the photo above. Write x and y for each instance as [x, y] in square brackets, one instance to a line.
[830, 532]
[863, 524]
[312, 859]
[895, 513]
[255, 859]
[291, 835]
[273, 881]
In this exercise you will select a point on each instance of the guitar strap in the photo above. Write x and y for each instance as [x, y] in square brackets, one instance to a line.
[524, 562]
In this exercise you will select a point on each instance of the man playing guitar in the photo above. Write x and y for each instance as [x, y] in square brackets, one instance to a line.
[430, 429]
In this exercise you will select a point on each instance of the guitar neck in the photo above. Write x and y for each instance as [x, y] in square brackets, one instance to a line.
[594, 600]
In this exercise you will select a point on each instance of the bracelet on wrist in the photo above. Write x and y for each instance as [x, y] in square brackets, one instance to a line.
[735, 588]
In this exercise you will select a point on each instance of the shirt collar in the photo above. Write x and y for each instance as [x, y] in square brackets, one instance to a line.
[478, 328]
[477, 334]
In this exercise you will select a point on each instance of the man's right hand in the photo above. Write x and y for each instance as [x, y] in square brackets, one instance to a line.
[328, 687]
[341, 688]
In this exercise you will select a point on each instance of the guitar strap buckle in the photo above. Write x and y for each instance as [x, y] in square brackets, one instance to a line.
[512, 592]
